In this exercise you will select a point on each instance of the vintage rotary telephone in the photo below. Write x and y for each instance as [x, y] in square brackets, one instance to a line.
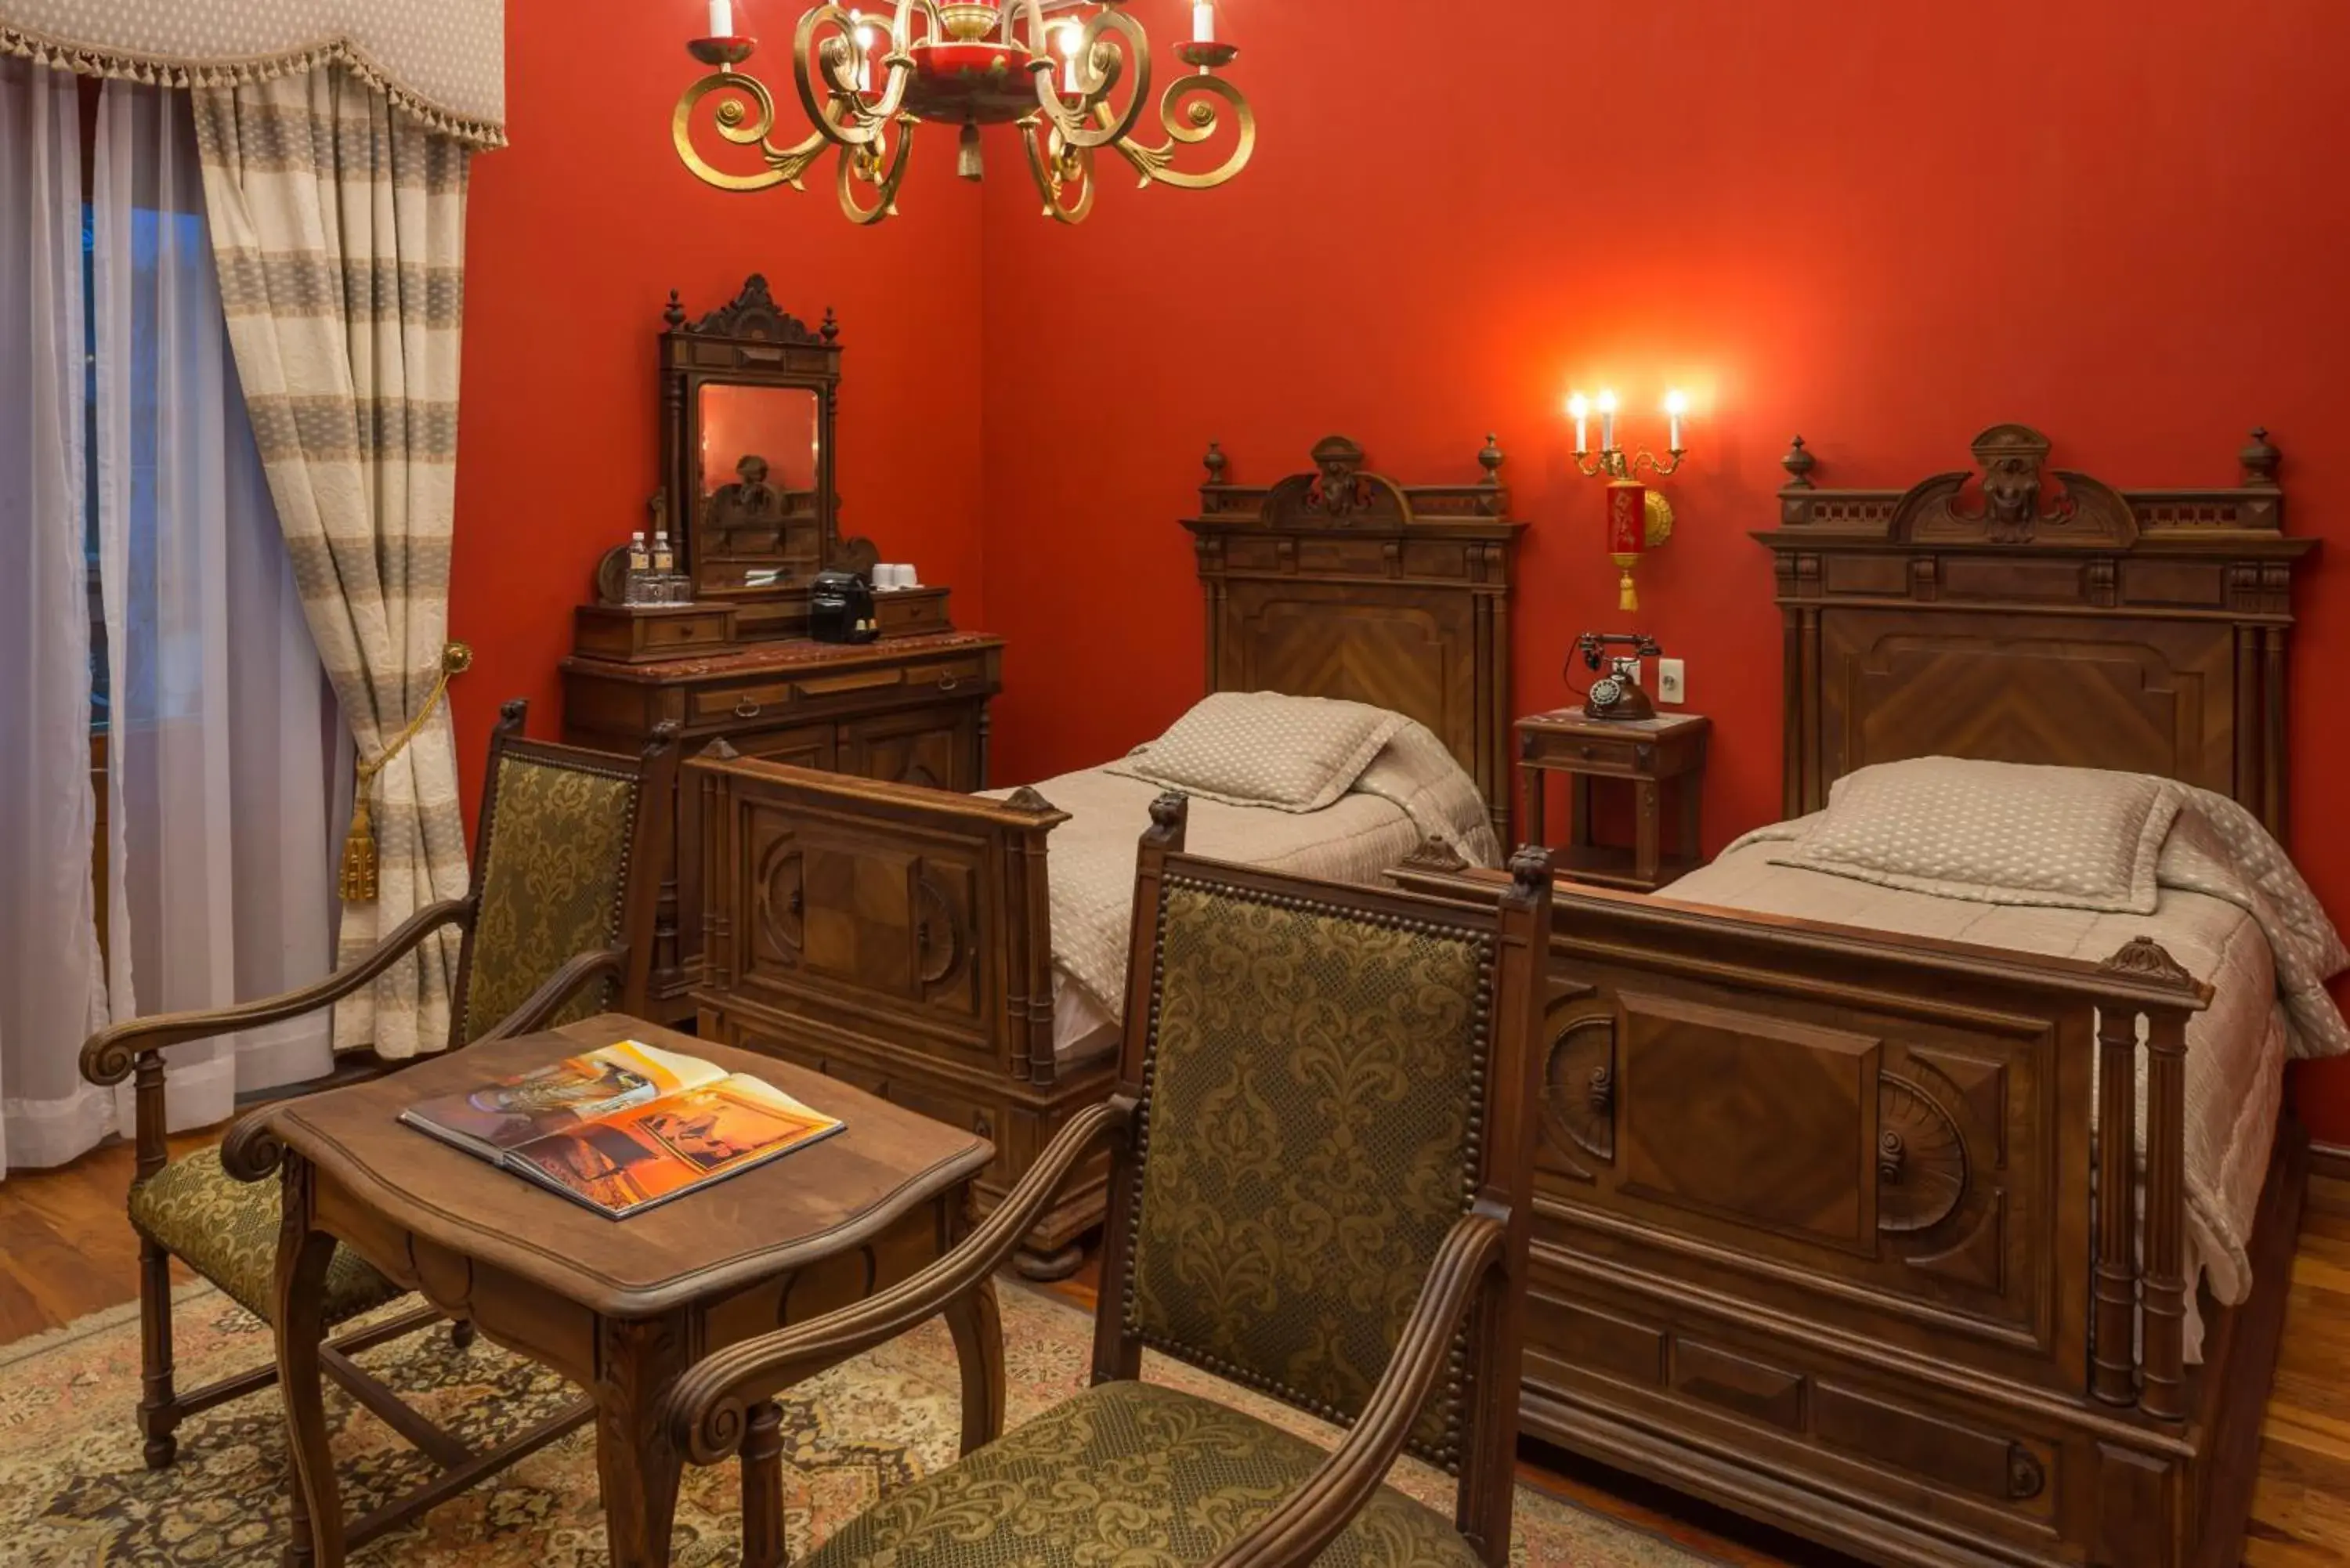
[1617, 693]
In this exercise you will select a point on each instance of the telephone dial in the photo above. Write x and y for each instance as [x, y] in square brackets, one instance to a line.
[1616, 694]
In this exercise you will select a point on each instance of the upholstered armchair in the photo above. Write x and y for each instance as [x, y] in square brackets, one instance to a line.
[1321, 1150]
[557, 925]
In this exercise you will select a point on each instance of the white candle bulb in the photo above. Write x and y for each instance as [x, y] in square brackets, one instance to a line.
[1203, 22]
[721, 19]
[1072, 36]
[864, 31]
[1607, 421]
[1676, 405]
[1578, 409]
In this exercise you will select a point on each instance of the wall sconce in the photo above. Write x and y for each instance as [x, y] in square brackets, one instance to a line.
[1638, 517]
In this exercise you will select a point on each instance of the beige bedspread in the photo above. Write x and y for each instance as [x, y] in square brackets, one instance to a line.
[1412, 791]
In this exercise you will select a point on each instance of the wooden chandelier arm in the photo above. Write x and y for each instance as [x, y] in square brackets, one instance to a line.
[1317, 1512]
[109, 1055]
[557, 990]
[705, 1411]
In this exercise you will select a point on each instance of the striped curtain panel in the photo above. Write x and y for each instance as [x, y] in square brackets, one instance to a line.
[337, 223]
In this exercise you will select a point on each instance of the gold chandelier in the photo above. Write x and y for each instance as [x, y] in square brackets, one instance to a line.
[865, 91]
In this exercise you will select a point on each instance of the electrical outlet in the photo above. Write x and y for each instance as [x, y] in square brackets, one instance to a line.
[1672, 681]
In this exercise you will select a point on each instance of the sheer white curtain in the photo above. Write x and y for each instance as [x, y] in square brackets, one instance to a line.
[222, 730]
[51, 992]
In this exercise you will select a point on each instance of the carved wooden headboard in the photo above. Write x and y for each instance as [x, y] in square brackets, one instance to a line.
[2025, 621]
[1340, 583]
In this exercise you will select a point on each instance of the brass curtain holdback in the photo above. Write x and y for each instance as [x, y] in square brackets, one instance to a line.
[358, 882]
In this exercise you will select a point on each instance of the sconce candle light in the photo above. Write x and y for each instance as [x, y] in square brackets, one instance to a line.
[1638, 517]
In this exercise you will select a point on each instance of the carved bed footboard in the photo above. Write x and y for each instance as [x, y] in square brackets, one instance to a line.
[898, 937]
[1849, 1231]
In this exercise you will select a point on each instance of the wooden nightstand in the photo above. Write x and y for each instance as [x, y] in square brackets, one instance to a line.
[1645, 753]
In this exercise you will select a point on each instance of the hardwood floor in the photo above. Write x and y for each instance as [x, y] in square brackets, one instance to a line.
[67, 1251]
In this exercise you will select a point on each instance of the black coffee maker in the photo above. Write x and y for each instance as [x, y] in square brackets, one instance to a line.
[840, 608]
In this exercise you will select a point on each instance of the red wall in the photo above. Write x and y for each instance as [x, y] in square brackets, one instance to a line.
[576, 234]
[1881, 226]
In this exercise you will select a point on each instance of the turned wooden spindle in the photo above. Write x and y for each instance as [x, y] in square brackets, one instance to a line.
[2114, 1288]
[763, 1487]
[2163, 1357]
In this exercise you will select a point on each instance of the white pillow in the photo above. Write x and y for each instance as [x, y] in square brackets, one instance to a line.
[1260, 748]
[1997, 833]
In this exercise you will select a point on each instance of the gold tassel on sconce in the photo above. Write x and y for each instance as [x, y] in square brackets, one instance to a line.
[359, 881]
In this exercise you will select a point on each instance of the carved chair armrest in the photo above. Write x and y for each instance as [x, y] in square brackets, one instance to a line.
[705, 1411]
[1314, 1515]
[551, 997]
[108, 1056]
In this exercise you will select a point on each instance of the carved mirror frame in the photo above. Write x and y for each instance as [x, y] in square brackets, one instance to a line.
[749, 341]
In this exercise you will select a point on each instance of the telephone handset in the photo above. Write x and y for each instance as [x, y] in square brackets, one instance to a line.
[1617, 695]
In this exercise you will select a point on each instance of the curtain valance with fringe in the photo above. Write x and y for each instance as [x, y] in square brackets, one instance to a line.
[441, 61]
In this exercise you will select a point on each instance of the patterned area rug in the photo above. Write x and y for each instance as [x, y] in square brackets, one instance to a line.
[73, 1490]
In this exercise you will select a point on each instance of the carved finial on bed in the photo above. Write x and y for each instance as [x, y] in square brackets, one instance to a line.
[1434, 854]
[1491, 458]
[1529, 869]
[2260, 460]
[1799, 464]
[2146, 958]
[1214, 461]
[675, 314]
[1026, 798]
[1169, 814]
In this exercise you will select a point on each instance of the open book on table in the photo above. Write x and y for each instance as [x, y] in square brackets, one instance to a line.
[625, 1127]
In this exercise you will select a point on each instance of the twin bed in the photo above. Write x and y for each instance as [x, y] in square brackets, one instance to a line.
[904, 939]
[1916, 1176]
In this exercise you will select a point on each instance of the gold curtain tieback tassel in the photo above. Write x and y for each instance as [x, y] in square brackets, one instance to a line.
[361, 882]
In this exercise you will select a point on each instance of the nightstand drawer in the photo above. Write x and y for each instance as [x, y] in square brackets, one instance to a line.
[1595, 754]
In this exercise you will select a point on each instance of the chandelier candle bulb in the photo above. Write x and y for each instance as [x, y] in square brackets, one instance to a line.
[1676, 406]
[1606, 421]
[1071, 37]
[721, 19]
[864, 30]
[1578, 409]
[1203, 22]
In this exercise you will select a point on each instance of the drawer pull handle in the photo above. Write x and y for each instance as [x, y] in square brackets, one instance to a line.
[746, 709]
[949, 682]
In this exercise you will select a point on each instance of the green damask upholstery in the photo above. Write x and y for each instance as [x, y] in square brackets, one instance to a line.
[1308, 1142]
[1125, 1475]
[226, 1231]
[551, 875]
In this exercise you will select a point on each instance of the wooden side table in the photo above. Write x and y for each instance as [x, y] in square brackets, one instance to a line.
[1647, 752]
[622, 1308]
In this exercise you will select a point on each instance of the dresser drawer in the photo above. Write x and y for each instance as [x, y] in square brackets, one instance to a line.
[739, 704]
[947, 675]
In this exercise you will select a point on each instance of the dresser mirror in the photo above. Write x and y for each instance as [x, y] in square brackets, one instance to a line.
[748, 398]
[759, 455]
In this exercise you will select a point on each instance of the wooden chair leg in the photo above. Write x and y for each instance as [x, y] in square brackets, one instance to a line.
[159, 1410]
[763, 1487]
[460, 1334]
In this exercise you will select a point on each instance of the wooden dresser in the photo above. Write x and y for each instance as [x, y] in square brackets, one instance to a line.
[748, 398]
[909, 710]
